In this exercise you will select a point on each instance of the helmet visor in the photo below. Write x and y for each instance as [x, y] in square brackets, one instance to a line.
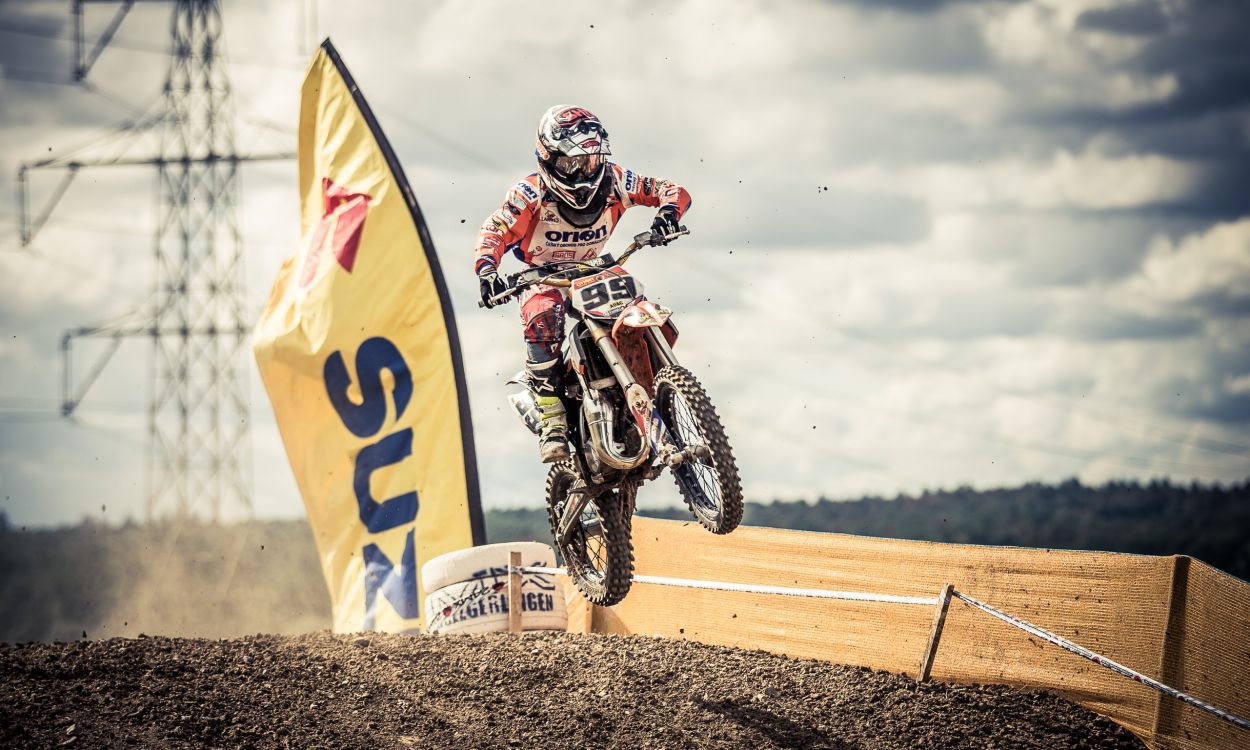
[582, 166]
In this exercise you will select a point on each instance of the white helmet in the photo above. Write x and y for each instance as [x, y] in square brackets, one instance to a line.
[571, 147]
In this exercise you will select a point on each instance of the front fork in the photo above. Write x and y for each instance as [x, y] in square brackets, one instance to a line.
[645, 414]
[640, 404]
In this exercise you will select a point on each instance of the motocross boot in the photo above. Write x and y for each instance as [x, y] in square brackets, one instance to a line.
[552, 445]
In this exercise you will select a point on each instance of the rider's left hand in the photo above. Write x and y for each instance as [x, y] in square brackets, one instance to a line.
[665, 224]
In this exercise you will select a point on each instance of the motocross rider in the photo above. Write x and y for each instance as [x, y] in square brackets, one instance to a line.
[565, 211]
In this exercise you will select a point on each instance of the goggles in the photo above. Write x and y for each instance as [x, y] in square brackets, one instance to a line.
[584, 165]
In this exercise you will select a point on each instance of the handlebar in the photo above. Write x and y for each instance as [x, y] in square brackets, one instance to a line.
[516, 285]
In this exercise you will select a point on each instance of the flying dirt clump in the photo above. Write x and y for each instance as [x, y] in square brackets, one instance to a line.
[547, 690]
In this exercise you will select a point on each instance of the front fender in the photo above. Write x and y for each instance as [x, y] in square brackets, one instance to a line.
[641, 314]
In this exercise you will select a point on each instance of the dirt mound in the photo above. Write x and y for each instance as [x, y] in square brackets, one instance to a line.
[539, 690]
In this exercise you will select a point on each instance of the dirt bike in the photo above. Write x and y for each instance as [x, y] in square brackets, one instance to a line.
[633, 410]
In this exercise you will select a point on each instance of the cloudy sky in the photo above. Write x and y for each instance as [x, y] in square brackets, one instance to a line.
[932, 244]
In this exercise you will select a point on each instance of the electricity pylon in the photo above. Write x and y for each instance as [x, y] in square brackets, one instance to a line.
[198, 452]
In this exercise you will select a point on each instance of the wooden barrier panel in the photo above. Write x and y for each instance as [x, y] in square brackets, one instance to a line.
[1126, 607]
[1207, 653]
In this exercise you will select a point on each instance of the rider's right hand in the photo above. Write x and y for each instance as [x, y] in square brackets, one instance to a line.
[491, 285]
[665, 224]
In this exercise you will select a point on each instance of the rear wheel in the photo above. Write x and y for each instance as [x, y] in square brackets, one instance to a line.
[598, 554]
[709, 483]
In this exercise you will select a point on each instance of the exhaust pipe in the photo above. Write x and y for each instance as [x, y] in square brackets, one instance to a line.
[598, 415]
[599, 425]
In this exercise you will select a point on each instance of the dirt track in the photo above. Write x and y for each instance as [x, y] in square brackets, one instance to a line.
[540, 690]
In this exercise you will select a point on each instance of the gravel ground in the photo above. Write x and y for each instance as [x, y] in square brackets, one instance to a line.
[548, 690]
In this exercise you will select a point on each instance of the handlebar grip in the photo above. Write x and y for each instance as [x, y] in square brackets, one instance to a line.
[499, 299]
[648, 239]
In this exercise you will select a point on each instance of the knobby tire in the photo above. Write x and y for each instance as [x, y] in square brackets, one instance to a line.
[675, 380]
[609, 586]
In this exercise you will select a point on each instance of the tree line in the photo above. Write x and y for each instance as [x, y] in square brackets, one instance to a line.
[93, 580]
[1209, 522]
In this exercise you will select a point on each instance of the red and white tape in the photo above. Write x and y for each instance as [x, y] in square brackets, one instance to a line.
[747, 588]
[1114, 666]
[1045, 635]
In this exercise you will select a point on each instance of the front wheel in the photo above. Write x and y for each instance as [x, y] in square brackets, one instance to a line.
[599, 556]
[710, 483]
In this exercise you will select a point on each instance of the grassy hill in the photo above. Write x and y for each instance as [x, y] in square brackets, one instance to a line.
[174, 579]
[264, 576]
[1210, 523]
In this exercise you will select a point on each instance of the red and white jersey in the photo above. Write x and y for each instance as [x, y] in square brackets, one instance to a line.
[529, 225]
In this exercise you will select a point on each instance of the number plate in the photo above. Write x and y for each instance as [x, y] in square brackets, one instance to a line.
[605, 294]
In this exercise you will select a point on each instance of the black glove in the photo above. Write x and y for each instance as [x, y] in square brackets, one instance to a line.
[491, 285]
[665, 224]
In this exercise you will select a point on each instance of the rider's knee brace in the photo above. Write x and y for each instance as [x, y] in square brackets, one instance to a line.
[544, 330]
[546, 377]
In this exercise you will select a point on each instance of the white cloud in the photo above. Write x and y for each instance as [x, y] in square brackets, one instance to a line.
[977, 298]
[1040, 40]
[1216, 262]
[1239, 384]
[1086, 180]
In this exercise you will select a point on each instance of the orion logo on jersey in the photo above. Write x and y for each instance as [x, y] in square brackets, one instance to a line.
[527, 190]
[576, 237]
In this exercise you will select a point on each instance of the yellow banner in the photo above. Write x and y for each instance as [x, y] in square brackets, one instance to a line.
[358, 351]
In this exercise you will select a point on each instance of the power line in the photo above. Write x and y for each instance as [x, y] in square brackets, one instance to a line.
[788, 376]
[48, 416]
[1068, 407]
[996, 439]
[116, 101]
[142, 121]
[82, 274]
[20, 30]
[810, 443]
[31, 76]
[135, 46]
[44, 79]
[825, 389]
[80, 420]
[1120, 421]
[74, 225]
[468, 153]
[197, 413]
[136, 410]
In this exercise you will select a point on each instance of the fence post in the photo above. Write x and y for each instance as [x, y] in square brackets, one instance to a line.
[939, 620]
[514, 592]
[1171, 668]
